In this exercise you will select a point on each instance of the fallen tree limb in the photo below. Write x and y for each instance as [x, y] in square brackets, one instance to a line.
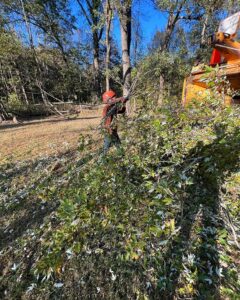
[228, 221]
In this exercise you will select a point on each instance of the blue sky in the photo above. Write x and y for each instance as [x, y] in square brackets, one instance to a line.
[150, 19]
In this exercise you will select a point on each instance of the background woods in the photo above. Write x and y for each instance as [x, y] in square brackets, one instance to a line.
[61, 51]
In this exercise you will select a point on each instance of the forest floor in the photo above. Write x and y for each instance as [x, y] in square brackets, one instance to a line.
[43, 137]
[34, 154]
[158, 219]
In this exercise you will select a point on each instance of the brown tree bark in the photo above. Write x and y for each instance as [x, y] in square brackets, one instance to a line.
[161, 91]
[21, 85]
[108, 15]
[97, 80]
[125, 15]
[93, 18]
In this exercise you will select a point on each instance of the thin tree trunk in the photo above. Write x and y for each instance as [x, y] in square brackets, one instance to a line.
[172, 21]
[125, 22]
[169, 30]
[137, 40]
[203, 32]
[4, 81]
[164, 47]
[38, 81]
[14, 87]
[23, 91]
[92, 13]
[38, 76]
[21, 83]
[3, 112]
[161, 91]
[108, 14]
[96, 63]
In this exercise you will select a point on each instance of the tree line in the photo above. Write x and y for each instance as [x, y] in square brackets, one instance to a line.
[65, 50]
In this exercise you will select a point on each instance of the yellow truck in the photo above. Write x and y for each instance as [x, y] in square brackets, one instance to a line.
[224, 63]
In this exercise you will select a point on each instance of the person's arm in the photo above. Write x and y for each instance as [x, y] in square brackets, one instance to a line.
[108, 120]
[123, 100]
[117, 100]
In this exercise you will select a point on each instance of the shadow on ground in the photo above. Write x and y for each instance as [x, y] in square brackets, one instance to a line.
[51, 121]
[22, 208]
[206, 166]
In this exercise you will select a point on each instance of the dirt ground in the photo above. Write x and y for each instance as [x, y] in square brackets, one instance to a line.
[44, 137]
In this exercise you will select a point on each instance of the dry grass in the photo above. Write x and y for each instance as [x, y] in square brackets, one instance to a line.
[45, 137]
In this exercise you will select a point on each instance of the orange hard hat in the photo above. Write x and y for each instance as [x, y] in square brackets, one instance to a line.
[108, 95]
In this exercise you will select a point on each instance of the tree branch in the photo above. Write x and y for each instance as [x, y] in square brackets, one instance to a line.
[84, 12]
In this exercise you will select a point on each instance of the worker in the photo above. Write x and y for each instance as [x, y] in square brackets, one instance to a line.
[113, 107]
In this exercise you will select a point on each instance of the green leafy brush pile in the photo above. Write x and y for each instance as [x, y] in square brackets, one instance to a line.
[157, 220]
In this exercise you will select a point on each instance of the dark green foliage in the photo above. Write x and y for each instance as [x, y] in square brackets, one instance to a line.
[172, 67]
[156, 220]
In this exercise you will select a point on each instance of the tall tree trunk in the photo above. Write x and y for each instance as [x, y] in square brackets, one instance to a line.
[172, 21]
[21, 82]
[161, 91]
[125, 24]
[92, 15]
[4, 81]
[108, 14]
[97, 82]
[137, 40]
[204, 28]
[23, 89]
[30, 36]
[12, 83]
[164, 47]
[169, 30]
[3, 113]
